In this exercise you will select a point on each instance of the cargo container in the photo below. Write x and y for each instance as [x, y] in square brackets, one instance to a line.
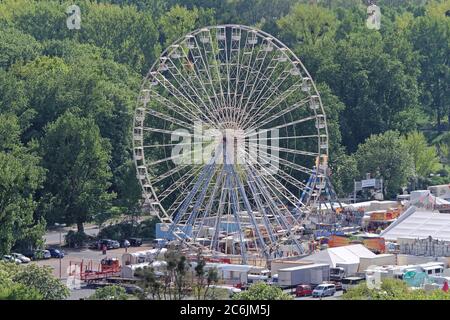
[312, 274]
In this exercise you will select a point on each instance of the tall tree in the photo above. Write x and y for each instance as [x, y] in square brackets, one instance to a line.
[425, 158]
[386, 156]
[78, 175]
[20, 178]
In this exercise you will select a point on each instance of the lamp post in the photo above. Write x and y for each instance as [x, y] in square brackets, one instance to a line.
[60, 226]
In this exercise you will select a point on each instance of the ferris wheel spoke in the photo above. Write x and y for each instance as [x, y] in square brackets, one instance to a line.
[181, 98]
[293, 151]
[178, 133]
[290, 137]
[282, 220]
[262, 90]
[292, 123]
[216, 66]
[208, 83]
[172, 106]
[169, 173]
[288, 163]
[208, 208]
[255, 79]
[263, 110]
[284, 176]
[193, 86]
[183, 181]
[168, 118]
[276, 116]
[192, 96]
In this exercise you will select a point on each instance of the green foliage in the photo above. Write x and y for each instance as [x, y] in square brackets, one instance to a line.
[262, 291]
[19, 292]
[393, 289]
[20, 178]
[110, 293]
[76, 157]
[386, 156]
[425, 158]
[30, 282]
[129, 229]
[17, 47]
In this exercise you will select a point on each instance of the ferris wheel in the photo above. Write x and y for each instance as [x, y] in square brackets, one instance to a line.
[230, 142]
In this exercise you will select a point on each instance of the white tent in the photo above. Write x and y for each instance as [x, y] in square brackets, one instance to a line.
[340, 255]
[419, 224]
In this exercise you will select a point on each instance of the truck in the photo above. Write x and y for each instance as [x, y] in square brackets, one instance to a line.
[312, 274]
[337, 274]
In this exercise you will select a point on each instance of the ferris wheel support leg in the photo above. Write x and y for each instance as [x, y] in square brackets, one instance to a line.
[250, 211]
[283, 218]
[234, 204]
[190, 196]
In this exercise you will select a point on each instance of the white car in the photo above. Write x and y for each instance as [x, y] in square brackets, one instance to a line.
[9, 258]
[21, 257]
[324, 290]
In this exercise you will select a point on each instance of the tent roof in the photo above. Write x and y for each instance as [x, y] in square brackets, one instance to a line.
[346, 254]
[420, 224]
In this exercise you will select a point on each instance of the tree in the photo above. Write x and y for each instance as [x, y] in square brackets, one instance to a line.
[306, 25]
[42, 280]
[20, 178]
[178, 21]
[386, 156]
[262, 291]
[344, 172]
[429, 36]
[110, 293]
[205, 278]
[425, 158]
[78, 177]
[16, 47]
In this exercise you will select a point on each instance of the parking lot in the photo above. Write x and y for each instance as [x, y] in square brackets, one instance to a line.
[86, 255]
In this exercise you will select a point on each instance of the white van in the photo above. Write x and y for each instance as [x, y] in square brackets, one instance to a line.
[324, 290]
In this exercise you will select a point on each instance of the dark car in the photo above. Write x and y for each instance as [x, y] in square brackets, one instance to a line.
[110, 244]
[135, 242]
[56, 253]
[124, 243]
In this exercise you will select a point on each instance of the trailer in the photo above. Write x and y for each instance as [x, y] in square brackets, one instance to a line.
[87, 272]
[312, 274]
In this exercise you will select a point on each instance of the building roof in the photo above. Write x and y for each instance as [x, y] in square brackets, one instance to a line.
[341, 255]
[305, 267]
[418, 225]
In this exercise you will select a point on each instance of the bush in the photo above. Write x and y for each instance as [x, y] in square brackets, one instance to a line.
[42, 281]
[262, 291]
[109, 293]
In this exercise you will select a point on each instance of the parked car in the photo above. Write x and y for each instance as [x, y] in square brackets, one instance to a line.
[40, 254]
[9, 258]
[56, 253]
[135, 242]
[324, 290]
[110, 244]
[303, 290]
[124, 243]
[21, 257]
[94, 245]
